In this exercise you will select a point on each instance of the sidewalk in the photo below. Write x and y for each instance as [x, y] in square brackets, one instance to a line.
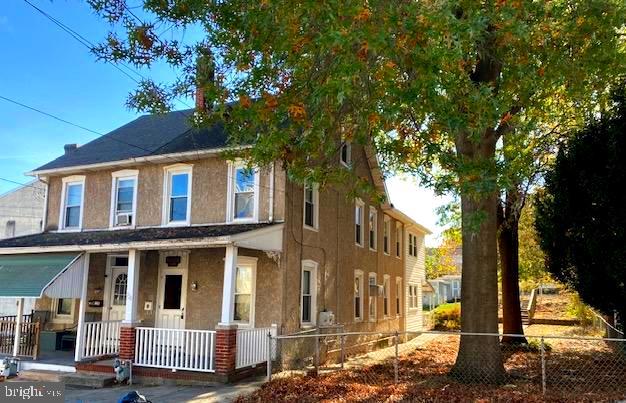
[165, 394]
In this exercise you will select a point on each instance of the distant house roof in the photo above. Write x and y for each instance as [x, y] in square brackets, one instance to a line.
[148, 135]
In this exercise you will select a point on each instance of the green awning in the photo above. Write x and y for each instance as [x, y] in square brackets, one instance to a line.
[27, 276]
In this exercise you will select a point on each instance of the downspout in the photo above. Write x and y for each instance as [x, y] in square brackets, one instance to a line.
[271, 201]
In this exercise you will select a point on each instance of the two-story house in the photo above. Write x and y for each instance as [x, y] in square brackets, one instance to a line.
[158, 250]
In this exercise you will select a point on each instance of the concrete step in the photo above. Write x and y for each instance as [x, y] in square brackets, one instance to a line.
[88, 379]
[40, 376]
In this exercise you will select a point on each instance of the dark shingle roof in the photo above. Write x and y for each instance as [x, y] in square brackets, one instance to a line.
[145, 136]
[88, 238]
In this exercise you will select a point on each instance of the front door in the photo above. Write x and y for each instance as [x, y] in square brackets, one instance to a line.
[172, 293]
[116, 287]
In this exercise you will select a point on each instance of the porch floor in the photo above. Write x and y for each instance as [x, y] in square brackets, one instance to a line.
[50, 361]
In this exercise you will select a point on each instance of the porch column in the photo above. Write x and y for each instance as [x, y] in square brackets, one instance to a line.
[80, 331]
[226, 331]
[18, 327]
[127, 329]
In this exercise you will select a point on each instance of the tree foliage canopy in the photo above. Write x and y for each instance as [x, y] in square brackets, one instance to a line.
[581, 218]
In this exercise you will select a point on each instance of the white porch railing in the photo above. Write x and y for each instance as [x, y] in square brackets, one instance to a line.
[252, 346]
[101, 338]
[192, 350]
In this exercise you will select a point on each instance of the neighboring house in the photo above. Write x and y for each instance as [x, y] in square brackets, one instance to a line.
[167, 255]
[445, 289]
[21, 213]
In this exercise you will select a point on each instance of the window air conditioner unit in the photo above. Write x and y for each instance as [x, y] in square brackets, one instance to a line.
[124, 219]
[326, 319]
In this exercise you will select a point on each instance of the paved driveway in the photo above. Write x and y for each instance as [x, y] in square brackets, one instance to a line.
[166, 394]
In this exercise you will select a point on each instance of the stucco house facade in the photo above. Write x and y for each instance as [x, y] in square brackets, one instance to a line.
[157, 250]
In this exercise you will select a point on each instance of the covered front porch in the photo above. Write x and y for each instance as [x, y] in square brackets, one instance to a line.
[193, 307]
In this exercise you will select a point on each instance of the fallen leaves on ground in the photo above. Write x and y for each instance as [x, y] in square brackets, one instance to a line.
[574, 370]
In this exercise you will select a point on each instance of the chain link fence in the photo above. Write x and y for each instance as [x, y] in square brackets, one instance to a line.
[563, 367]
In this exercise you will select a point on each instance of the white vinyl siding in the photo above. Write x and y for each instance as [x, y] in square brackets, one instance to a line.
[414, 275]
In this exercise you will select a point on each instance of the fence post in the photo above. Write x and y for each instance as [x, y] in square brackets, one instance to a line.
[269, 356]
[395, 360]
[543, 367]
[317, 354]
[343, 354]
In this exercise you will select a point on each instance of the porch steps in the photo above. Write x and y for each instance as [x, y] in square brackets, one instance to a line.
[40, 376]
[88, 380]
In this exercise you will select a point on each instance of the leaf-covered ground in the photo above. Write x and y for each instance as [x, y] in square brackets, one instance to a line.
[586, 372]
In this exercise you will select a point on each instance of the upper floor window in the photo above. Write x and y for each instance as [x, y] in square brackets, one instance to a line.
[398, 296]
[124, 198]
[358, 295]
[346, 153]
[412, 245]
[398, 239]
[386, 234]
[308, 293]
[358, 222]
[311, 206]
[72, 206]
[9, 230]
[373, 225]
[177, 203]
[243, 195]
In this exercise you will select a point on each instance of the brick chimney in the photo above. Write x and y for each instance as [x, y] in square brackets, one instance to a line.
[69, 148]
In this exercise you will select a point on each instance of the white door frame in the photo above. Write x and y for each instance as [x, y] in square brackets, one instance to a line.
[183, 269]
[108, 284]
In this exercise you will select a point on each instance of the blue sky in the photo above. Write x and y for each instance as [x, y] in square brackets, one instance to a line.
[43, 67]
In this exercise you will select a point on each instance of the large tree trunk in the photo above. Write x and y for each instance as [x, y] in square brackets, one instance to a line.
[479, 358]
[508, 245]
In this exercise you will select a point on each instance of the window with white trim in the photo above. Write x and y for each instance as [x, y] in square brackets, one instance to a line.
[308, 293]
[358, 222]
[398, 239]
[243, 193]
[413, 302]
[63, 310]
[373, 225]
[398, 296]
[124, 198]
[177, 194]
[244, 293]
[358, 295]
[386, 295]
[386, 233]
[346, 153]
[373, 292]
[72, 206]
[412, 245]
[311, 206]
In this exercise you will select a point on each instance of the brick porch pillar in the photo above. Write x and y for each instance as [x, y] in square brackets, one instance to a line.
[127, 343]
[225, 349]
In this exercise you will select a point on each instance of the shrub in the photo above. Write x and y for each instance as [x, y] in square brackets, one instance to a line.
[580, 311]
[447, 317]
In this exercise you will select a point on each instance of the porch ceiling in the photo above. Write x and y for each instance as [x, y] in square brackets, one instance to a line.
[248, 235]
[25, 276]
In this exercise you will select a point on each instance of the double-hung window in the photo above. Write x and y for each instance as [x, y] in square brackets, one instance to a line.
[311, 206]
[124, 198]
[243, 194]
[386, 295]
[308, 293]
[373, 225]
[346, 153]
[398, 296]
[358, 222]
[245, 279]
[177, 201]
[358, 295]
[413, 296]
[398, 239]
[412, 245]
[373, 292]
[72, 205]
[386, 234]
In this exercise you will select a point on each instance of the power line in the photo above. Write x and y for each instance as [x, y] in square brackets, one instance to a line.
[19, 183]
[50, 115]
